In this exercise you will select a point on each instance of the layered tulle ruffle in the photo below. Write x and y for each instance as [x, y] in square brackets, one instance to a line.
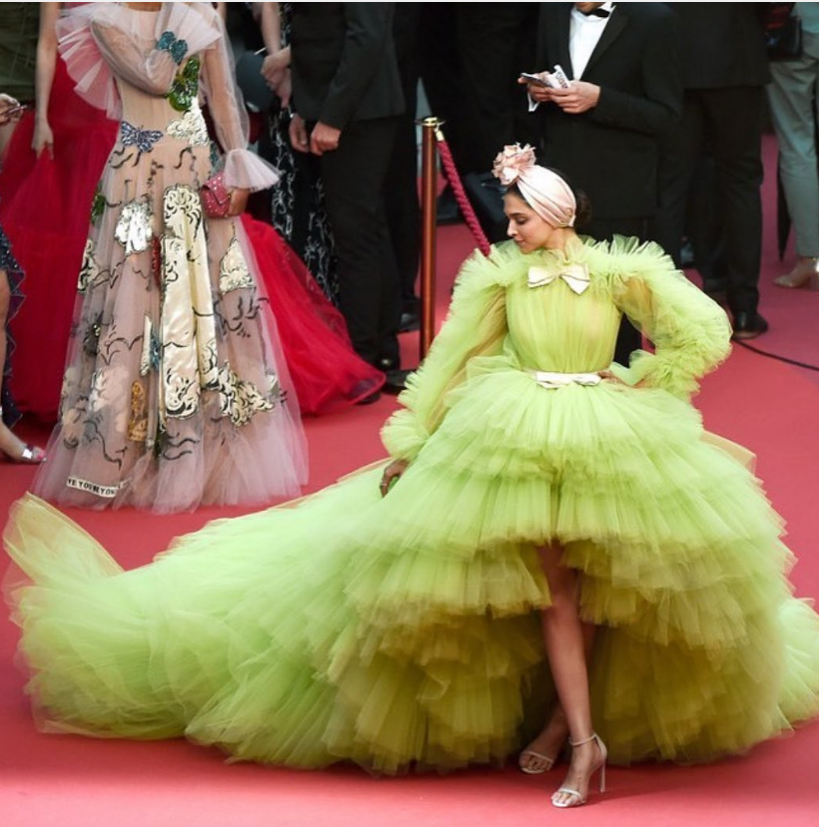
[404, 632]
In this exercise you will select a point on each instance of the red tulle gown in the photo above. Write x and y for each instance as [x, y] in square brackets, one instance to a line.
[44, 207]
[327, 373]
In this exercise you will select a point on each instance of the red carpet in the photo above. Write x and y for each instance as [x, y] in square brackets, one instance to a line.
[76, 782]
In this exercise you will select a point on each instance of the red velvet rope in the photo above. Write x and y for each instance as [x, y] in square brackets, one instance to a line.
[451, 173]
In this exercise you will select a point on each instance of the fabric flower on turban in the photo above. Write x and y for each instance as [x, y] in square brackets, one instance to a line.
[542, 189]
[511, 162]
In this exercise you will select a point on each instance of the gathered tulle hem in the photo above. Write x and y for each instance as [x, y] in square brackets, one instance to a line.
[396, 669]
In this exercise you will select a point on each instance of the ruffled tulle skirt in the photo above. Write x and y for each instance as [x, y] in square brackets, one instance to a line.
[403, 632]
[327, 373]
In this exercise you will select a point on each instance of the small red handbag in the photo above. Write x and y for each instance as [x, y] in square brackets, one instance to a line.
[215, 196]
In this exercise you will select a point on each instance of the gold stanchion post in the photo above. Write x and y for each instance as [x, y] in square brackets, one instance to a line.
[429, 196]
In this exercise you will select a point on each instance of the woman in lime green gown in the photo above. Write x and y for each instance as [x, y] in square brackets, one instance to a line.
[404, 631]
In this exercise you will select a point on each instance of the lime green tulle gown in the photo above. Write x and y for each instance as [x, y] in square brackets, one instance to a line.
[403, 632]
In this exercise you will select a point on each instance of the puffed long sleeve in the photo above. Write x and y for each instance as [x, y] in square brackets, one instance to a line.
[475, 326]
[242, 168]
[691, 333]
[152, 70]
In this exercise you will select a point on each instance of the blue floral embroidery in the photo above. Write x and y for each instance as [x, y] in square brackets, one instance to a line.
[142, 139]
[177, 48]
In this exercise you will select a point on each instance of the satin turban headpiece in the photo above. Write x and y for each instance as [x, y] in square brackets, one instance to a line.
[543, 190]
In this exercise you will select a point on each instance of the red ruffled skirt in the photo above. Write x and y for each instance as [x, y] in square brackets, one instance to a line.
[44, 208]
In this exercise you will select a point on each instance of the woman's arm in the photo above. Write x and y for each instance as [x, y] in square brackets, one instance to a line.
[276, 65]
[44, 78]
[691, 333]
[244, 170]
[476, 326]
[152, 71]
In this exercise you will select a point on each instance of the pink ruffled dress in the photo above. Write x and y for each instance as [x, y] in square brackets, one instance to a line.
[175, 393]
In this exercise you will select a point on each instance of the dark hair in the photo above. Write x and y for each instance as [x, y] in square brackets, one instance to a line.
[583, 215]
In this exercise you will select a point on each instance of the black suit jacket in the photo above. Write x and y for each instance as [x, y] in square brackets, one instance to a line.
[610, 152]
[343, 62]
[723, 44]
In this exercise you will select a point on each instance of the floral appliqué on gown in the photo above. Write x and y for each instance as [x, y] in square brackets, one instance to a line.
[175, 393]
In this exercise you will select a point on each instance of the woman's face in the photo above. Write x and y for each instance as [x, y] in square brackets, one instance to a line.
[526, 228]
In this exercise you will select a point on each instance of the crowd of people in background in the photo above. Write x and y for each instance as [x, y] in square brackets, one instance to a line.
[660, 126]
[556, 560]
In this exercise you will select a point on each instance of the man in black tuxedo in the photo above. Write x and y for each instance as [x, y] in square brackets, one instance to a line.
[726, 69]
[602, 132]
[347, 98]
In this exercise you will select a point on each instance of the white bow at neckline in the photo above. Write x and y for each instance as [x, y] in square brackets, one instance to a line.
[575, 275]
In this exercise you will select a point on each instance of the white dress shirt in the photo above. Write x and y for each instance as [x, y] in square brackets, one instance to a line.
[585, 30]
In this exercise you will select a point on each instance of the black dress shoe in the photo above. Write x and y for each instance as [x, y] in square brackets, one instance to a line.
[396, 381]
[369, 398]
[748, 326]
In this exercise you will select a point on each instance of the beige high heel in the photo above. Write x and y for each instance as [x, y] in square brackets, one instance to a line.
[804, 274]
[578, 798]
[548, 762]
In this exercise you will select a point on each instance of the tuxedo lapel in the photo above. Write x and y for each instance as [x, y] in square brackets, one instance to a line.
[562, 33]
[617, 22]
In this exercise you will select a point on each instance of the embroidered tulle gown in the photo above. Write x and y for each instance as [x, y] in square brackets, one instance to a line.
[403, 632]
[175, 392]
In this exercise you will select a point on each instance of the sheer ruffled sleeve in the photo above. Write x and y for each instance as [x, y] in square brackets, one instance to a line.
[476, 326]
[99, 42]
[242, 168]
[691, 333]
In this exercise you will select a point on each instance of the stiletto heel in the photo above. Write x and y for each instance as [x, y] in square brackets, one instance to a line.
[579, 798]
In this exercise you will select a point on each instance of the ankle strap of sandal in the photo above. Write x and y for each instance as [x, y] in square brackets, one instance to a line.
[592, 737]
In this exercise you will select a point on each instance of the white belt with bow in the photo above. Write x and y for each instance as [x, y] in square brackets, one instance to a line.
[550, 381]
[575, 275]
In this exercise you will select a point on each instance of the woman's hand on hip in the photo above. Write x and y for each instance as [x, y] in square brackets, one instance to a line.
[392, 473]
[609, 376]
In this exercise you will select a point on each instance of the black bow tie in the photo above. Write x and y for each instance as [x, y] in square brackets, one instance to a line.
[598, 12]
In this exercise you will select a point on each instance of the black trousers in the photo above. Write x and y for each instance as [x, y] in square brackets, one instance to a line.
[629, 338]
[402, 204]
[727, 124]
[471, 55]
[496, 42]
[355, 177]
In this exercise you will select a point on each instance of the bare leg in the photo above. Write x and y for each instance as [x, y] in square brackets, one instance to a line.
[544, 750]
[566, 644]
